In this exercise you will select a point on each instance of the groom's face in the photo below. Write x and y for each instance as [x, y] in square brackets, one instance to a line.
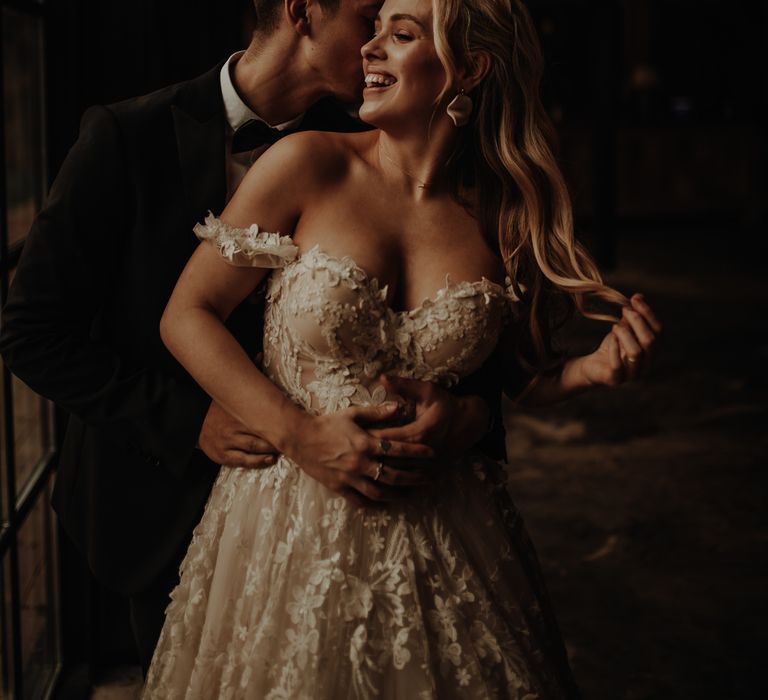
[339, 37]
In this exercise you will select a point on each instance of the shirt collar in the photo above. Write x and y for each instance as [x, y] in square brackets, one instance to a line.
[238, 113]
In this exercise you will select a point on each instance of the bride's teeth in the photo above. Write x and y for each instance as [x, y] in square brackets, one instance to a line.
[378, 79]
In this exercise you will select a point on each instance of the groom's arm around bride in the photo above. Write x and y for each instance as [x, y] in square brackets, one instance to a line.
[81, 321]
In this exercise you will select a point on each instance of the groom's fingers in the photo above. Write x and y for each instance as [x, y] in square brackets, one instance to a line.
[245, 442]
[237, 458]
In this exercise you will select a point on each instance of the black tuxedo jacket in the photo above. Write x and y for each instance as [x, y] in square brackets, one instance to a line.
[81, 322]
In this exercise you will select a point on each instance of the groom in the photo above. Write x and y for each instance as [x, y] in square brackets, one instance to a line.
[81, 322]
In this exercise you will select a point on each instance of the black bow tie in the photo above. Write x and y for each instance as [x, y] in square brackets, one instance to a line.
[252, 134]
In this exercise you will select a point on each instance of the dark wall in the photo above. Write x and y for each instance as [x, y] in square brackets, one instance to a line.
[660, 105]
[99, 52]
[104, 51]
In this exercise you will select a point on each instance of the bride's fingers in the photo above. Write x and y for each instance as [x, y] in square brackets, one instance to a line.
[417, 430]
[615, 366]
[641, 328]
[403, 386]
[639, 303]
[371, 414]
[631, 352]
[410, 432]
[614, 353]
[373, 490]
[386, 447]
[396, 476]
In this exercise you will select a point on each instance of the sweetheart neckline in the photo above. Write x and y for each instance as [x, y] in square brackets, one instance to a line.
[253, 241]
[372, 282]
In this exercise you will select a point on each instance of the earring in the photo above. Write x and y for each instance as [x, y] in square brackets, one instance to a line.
[459, 108]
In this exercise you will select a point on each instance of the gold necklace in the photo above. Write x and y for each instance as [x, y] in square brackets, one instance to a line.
[421, 184]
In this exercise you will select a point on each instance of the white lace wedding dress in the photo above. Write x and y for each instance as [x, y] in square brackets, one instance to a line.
[287, 591]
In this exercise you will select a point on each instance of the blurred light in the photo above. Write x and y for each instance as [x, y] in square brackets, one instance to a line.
[682, 106]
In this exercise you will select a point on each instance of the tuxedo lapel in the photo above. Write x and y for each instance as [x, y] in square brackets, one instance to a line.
[199, 120]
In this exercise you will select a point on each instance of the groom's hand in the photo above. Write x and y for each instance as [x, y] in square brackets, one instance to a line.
[225, 440]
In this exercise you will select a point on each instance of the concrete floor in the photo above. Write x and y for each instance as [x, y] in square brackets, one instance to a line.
[648, 503]
[119, 684]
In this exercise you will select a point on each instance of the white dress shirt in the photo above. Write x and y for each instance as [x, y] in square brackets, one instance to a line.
[238, 113]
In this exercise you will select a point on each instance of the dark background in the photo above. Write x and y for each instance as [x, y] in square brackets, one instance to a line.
[660, 103]
[648, 503]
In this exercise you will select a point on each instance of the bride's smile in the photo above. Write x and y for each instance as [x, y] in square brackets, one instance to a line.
[403, 73]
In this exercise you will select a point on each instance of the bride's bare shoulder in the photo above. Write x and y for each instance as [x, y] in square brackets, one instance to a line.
[319, 153]
[301, 166]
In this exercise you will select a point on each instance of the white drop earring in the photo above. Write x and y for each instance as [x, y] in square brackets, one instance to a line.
[459, 108]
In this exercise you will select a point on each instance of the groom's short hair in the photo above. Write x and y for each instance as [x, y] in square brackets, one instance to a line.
[268, 13]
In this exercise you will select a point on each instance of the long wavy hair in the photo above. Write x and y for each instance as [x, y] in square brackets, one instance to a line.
[506, 155]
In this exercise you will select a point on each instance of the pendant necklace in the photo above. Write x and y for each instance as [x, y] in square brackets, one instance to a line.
[421, 184]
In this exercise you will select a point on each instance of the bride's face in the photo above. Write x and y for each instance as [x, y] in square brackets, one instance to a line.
[403, 73]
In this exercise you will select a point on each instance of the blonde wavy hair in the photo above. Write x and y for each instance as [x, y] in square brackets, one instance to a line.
[506, 156]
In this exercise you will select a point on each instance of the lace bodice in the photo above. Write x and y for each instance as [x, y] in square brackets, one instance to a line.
[329, 332]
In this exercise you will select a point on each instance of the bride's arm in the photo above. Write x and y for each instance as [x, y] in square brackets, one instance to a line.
[623, 355]
[333, 448]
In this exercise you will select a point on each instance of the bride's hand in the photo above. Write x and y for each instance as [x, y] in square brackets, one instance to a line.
[626, 352]
[447, 423]
[336, 451]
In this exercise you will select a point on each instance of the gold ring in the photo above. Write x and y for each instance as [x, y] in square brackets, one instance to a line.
[379, 470]
[385, 445]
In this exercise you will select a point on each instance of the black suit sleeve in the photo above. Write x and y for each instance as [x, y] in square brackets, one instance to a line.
[501, 372]
[485, 383]
[51, 336]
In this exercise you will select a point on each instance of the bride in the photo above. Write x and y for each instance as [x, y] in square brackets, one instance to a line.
[400, 242]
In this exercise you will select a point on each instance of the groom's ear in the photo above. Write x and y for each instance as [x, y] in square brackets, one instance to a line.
[298, 13]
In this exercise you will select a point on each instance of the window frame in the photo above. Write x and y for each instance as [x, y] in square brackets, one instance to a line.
[18, 506]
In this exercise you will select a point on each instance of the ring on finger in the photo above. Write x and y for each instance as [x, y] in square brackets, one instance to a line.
[385, 445]
[632, 360]
[379, 470]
